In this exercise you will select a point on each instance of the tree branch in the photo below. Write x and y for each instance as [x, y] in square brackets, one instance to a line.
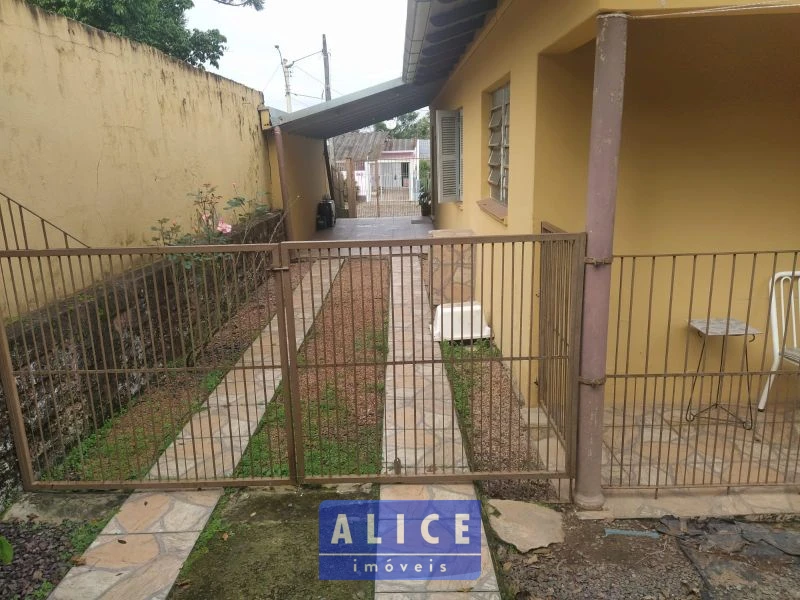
[256, 4]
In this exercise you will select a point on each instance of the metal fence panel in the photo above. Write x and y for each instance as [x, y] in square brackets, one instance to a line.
[690, 353]
[300, 361]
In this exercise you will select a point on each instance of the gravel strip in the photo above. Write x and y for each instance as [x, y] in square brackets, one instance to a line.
[42, 556]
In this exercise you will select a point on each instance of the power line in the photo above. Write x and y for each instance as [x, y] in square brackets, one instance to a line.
[317, 79]
[271, 77]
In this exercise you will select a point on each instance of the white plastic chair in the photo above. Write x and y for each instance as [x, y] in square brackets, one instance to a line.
[784, 318]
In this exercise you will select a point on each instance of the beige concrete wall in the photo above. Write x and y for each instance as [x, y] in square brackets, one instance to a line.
[306, 178]
[708, 158]
[104, 136]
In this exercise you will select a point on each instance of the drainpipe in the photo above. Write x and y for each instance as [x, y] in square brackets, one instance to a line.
[609, 87]
[279, 151]
[328, 172]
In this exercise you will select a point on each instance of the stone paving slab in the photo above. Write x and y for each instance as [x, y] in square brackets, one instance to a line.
[141, 550]
[129, 566]
[163, 512]
[458, 590]
[420, 426]
[421, 429]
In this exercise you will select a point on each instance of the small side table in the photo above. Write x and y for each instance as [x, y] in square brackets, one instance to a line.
[724, 328]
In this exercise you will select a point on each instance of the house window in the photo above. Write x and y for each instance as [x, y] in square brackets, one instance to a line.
[498, 144]
[449, 152]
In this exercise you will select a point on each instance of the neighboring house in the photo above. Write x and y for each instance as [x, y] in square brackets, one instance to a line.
[362, 148]
[380, 162]
[397, 169]
[710, 144]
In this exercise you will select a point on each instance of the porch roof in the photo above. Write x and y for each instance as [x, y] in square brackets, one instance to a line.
[357, 110]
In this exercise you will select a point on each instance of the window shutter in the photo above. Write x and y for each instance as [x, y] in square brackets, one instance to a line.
[448, 155]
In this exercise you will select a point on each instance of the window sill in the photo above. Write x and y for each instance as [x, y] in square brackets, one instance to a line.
[496, 210]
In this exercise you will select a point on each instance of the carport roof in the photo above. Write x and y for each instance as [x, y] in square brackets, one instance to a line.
[437, 35]
[355, 111]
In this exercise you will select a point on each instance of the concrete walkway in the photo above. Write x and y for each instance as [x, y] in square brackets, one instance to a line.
[139, 554]
[384, 228]
[421, 429]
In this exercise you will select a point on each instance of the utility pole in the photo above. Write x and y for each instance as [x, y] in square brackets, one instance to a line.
[327, 68]
[325, 151]
[287, 78]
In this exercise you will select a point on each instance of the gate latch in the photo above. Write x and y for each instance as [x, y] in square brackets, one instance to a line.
[596, 262]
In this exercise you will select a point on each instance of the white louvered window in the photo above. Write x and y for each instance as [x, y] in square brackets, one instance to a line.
[449, 145]
[498, 143]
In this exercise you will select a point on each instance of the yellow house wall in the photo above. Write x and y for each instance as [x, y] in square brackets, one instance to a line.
[507, 50]
[708, 164]
[104, 136]
[708, 157]
[306, 178]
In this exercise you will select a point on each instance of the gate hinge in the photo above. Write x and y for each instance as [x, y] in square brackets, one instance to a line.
[592, 382]
[591, 260]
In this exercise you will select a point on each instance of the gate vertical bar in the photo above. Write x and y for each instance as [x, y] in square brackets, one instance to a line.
[15, 417]
[288, 352]
[605, 138]
[574, 351]
[295, 416]
[352, 199]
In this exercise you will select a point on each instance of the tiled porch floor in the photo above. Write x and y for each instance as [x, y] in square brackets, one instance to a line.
[658, 447]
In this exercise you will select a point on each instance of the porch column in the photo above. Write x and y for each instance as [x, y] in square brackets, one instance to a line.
[609, 86]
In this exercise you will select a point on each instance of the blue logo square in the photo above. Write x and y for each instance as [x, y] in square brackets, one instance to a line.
[400, 539]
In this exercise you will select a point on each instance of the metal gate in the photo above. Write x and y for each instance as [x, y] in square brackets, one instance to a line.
[316, 362]
[387, 187]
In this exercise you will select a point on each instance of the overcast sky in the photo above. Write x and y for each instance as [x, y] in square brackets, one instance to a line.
[365, 41]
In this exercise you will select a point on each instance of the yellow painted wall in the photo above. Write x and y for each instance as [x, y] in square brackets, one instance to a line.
[104, 136]
[306, 178]
[708, 164]
[508, 49]
[708, 161]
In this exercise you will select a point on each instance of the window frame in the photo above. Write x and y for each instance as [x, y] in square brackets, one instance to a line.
[498, 130]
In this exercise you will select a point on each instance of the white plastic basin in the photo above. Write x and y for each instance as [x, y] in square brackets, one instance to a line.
[457, 322]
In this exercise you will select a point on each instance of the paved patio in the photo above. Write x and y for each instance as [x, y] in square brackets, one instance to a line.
[658, 447]
[384, 228]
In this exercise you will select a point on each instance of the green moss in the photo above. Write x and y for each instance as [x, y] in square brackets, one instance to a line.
[264, 546]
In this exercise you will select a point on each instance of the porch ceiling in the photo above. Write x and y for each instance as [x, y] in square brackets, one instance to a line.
[438, 33]
[354, 111]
